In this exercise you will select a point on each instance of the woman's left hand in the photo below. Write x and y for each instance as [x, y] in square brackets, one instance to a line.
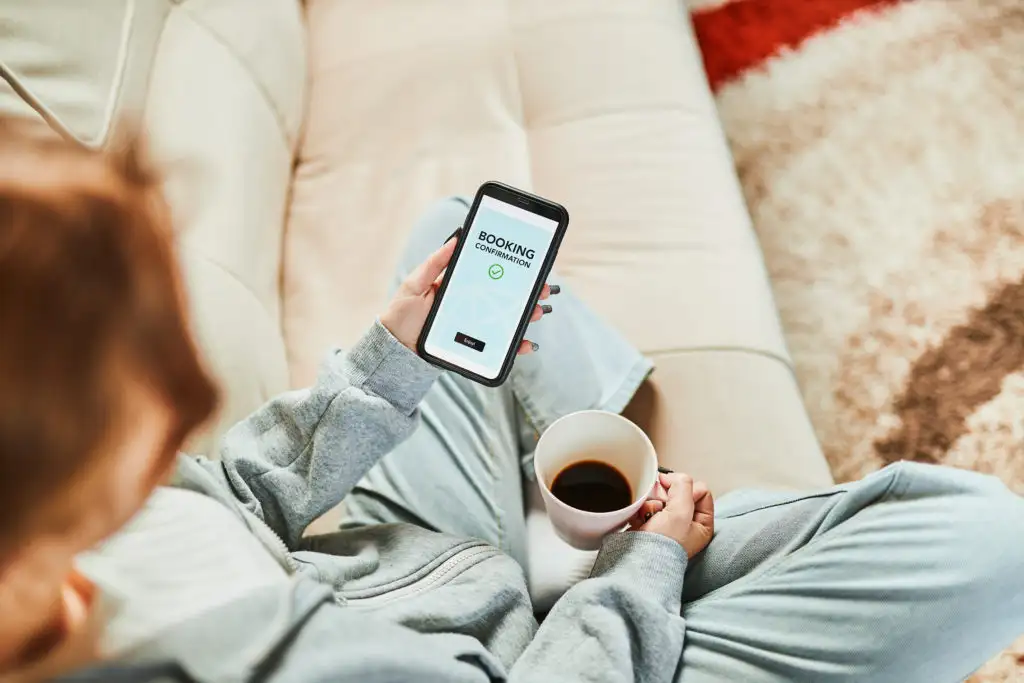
[407, 312]
[680, 508]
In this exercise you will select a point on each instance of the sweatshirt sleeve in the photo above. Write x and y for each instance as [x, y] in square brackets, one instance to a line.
[621, 624]
[300, 454]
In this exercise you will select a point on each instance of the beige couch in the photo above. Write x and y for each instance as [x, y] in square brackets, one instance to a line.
[300, 143]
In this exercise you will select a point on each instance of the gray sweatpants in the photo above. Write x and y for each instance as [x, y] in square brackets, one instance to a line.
[915, 573]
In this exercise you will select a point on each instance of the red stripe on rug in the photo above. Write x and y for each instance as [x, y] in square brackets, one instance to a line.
[741, 35]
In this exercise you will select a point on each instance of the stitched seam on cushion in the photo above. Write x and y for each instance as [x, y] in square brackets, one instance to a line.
[723, 349]
[117, 85]
[50, 117]
[627, 110]
[282, 128]
[231, 276]
[37, 105]
[519, 89]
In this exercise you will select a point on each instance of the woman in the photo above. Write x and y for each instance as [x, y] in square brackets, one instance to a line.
[911, 574]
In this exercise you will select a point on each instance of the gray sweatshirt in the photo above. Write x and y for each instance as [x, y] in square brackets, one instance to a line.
[393, 602]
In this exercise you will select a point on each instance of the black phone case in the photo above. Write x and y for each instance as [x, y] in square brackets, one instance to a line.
[500, 189]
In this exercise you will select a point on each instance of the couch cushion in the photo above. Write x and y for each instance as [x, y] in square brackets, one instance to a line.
[602, 106]
[223, 112]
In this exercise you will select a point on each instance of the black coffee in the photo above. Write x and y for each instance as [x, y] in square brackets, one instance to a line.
[592, 486]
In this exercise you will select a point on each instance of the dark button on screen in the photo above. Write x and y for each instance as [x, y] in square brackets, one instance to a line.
[466, 340]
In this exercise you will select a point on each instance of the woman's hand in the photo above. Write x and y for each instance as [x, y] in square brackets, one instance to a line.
[682, 509]
[407, 312]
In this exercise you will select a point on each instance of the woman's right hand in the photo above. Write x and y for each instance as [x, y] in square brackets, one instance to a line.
[686, 513]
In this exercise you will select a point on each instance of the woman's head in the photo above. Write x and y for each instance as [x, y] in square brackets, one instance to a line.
[100, 380]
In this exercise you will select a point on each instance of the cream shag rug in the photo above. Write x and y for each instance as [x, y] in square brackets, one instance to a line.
[880, 144]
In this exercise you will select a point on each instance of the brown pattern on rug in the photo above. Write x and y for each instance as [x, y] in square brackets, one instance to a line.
[949, 382]
[881, 198]
[913, 328]
[994, 439]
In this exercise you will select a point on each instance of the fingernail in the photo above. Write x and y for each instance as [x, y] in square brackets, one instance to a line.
[545, 309]
[534, 345]
[555, 289]
[454, 234]
[665, 470]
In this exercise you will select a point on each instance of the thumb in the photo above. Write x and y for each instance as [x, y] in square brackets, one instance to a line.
[679, 487]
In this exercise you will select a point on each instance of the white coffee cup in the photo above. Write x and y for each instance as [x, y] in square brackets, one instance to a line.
[604, 437]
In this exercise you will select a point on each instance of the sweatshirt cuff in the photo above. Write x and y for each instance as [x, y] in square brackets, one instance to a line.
[383, 366]
[644, 561]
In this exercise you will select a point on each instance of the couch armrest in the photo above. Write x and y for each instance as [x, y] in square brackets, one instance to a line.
[218, 88]
[223, 113]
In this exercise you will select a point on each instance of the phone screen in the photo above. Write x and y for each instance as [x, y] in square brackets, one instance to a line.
[490, 286]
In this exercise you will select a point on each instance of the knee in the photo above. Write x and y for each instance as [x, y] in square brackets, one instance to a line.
[914, 480]
[984, 523]
[976, 516]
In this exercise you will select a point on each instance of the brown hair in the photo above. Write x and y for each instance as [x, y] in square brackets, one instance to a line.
[90, 300]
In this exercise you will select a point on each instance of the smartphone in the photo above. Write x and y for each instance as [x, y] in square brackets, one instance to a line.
[506, 248]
